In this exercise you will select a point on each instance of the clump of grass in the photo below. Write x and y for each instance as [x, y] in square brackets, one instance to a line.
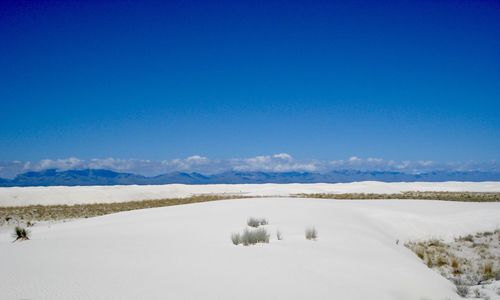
[462, 290]
[21, 234]
[256, 222]
[468, 238]
[429, 262]
[279, 236]
[477, 293]
[488, 271]
[311, 233]
[441, 261]
[454, 266]
[236, 238]
[420, 252]
[251, 237]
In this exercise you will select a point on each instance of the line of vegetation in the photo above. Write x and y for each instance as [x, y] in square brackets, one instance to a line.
[25, 214]
[420, 195]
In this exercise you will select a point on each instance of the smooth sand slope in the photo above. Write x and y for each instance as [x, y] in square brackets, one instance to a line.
[18, 196]
[185, 252]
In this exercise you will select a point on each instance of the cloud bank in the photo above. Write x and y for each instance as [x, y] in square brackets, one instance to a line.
[281, 162]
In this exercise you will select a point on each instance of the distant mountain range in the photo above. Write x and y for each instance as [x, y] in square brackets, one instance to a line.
[54, 177]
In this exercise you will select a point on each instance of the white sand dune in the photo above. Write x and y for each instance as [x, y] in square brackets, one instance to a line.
[185, 252]
[18, 196]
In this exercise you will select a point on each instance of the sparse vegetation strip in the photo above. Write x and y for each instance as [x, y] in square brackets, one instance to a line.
[23, 214]
[28, 214]
[420, 195]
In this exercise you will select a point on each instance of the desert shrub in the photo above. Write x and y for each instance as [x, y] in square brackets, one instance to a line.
[236, 238]
[468, 238]
[488, 271]
[429, 262]
[251, 237]
[253, 222]
[462, 290]
[311, 233]
[441, 261]
[420, 252]
[455, 266]
[435, 243]
[279, 236]
[21, 234]
[477, 293]
[256, 222]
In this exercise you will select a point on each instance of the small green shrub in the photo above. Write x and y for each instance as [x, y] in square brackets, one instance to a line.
[476, 292]
[251, 237]
[256, 222]
[236, 238]
[468, 238]
[462, 290]
[21, 234]
[311, 233]
[488, 271]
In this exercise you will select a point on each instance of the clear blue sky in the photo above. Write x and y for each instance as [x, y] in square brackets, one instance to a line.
[316, 79]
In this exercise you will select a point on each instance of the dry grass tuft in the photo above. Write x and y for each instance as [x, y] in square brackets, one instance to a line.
[252, 237]
[488, 271]
[279, 236]
[311, 233]
[21, 234]
[256, 222]
[236, 238]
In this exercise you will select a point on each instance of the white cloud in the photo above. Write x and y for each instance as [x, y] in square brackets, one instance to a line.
[280, 162]
[283, 156]
[61, 164]
[196, 159]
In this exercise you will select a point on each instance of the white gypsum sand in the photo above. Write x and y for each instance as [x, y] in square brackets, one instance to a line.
[185, 252]
[19, 196]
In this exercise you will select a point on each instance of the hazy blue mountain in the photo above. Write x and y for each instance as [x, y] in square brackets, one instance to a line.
[54, 177]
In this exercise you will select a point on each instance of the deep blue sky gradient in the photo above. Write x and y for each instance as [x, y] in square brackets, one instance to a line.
[316, 79]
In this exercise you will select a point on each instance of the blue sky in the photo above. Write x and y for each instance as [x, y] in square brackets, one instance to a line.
[320, 80]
